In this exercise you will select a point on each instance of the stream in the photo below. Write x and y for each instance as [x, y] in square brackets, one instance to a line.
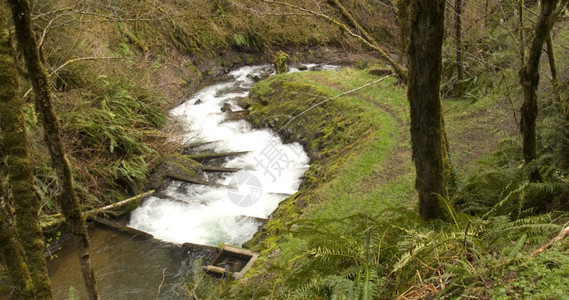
[228, 211]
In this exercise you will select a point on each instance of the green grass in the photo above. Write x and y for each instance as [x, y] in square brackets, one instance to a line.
[364, 168]
[366, 182]
[359, 200]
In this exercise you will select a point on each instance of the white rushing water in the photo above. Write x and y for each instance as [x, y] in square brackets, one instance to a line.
[211, 215]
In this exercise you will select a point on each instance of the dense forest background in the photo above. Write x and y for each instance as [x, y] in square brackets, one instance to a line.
[116, 67]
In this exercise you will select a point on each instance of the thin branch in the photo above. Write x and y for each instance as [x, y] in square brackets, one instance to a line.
[68, 62]
[123, 19]
[332, 98]
[401, 72]
[57, 11]
[47, 28]
[561, 235]
[161, 283]
[74, 60]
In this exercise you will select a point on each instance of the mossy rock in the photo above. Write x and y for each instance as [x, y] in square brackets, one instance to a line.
[321, 131]
[281, 60]
[177, 166]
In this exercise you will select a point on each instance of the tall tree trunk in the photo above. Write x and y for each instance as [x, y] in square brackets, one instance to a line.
[12, 253]
[427, 124]
[553, 69]
[521, 34]
[403, 18]
[529, 79]
[68, 199]
[458, 38]
[15, 143]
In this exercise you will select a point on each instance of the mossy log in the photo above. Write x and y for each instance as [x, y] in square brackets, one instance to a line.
[57, 219]
[199, 144]
[219, 169]
[117, 226]
[192, 180]
[208, 156]
[175, 166]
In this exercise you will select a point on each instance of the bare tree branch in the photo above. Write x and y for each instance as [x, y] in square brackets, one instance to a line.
[332, 98]
[399, 70]
[68, 62]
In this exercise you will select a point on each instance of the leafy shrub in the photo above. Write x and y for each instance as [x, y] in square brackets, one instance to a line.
[114, 130]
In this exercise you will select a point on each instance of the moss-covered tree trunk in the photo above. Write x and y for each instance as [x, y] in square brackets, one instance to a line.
[12, 253]
[426, 29]
[17, 160]
[68, 199]
[403, 18]
[529, 79]
[353, 21]
[458, 43]
[553, 69]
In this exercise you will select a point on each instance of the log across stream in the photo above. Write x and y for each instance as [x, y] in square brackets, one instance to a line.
[264, 172]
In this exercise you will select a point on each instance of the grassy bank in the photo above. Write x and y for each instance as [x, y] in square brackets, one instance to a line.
[352, 231]
[350, 141]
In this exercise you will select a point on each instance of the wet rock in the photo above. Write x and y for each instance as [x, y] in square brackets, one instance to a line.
[303, 68]
[236, 115]
[174, 166]
[243, 102]
[199, 101]
[231, 89]
[286, 134]
[226, 107]
[317, 68]
[255, 78]
[267, 73]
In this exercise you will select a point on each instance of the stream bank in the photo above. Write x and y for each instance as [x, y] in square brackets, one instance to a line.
[227, 210]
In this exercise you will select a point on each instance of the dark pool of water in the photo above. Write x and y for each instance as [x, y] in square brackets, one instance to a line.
[126, 267]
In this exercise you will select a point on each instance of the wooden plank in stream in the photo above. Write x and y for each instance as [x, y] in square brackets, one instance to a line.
[117, 226]
[219, 169]
[194, 180]
[199, 144]
[207, 156]
[230, 257]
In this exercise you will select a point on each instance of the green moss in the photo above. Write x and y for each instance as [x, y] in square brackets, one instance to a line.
[281, 60]
[193, 70]
[132, 37]
[261, 93]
